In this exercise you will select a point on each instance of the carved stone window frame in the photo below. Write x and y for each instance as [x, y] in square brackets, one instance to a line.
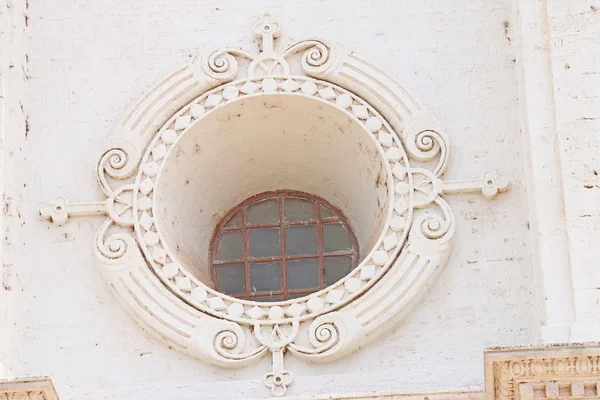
[171, 303]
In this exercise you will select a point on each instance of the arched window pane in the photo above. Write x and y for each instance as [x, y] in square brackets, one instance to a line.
[335, 238]
[267, 298]
[235, 221]
[336, 268]
[232, 278]
[267, 211]
[325, 213]
[303, 273]
[299, 210]
[264, 242]
[265, 277]
[301, 240]
[231, 246]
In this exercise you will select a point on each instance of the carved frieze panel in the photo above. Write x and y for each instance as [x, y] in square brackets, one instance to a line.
[550, 372]
[391, 156]
[28, 389]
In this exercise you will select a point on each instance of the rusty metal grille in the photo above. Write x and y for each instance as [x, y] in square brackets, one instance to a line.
[246, 273]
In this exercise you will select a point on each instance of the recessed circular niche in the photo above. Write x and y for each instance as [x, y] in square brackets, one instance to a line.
[200, 142]
[266, 143]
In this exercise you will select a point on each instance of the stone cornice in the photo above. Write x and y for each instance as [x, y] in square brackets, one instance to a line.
[458, 394]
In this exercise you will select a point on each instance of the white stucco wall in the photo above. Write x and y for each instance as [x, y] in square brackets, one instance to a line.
[87, 61]
[13, 128]
[558, 44]
[575, 45]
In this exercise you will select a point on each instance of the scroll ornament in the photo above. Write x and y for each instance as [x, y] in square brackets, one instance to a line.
[170, 302]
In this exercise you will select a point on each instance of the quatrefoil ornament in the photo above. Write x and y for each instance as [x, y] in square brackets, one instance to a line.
[267, 26]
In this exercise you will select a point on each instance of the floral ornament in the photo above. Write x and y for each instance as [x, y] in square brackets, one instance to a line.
[57, 212]
[278, 381]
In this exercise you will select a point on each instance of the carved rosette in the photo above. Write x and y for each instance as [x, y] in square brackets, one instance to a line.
[158, 289]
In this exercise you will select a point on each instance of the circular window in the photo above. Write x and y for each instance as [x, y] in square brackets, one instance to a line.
[281, 245]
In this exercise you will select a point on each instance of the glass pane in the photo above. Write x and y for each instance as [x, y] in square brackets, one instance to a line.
[297, 295]
[265, 212]
[265, 277]
[267, 298]
[336, 268]
[325, 213]
[231, 278]
[301, 240]
[303, 274]
[264, 242]
[299, 209]
[335, 238]
[231, 246]
[234, 221]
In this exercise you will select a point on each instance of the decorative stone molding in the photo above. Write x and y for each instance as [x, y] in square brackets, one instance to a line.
[458, 394]
[374, 149]
[28, 389]
[551, 372]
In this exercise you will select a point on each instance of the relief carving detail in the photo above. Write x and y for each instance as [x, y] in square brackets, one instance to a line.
[138, 261]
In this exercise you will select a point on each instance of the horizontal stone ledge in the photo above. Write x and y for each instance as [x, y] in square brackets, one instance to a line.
[470, 393]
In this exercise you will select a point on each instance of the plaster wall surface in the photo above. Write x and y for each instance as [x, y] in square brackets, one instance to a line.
[574, 47]
[88, 60]
[13, 128]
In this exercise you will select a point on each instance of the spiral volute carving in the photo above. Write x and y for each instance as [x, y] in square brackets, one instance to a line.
[424, 140]
[228, 342]
[436, 226]
[113, 248]
[221, 65]
[324, 336]
[120, 161]
[317, 57]
[433, 226]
